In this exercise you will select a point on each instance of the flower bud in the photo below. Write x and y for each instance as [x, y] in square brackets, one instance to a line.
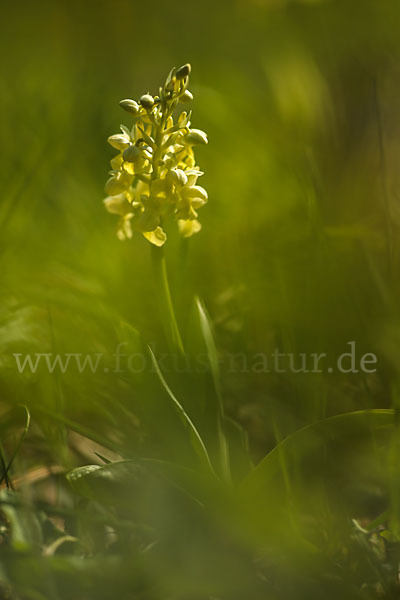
[130, 106]
[131, 153]
[186, 96]
[183, 71]
[120, 141]
[196, 136]
[147, 101]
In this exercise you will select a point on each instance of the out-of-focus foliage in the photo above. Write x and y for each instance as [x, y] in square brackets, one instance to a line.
[298, 251]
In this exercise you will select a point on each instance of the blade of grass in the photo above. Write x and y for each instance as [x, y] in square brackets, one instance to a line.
[208, 336]
[4, 467]
[196, 440]
[18, 446]
[311, 438]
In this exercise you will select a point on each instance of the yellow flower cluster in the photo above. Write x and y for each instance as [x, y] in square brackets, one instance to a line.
[154, 175]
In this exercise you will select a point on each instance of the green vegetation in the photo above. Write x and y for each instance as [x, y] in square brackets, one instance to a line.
[206, 417]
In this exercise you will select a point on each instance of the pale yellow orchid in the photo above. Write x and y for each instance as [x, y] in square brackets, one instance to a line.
[154, 175]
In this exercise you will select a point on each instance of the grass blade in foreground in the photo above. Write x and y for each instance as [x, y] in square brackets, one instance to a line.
[208, 337]
[338, 470]
[195, 438]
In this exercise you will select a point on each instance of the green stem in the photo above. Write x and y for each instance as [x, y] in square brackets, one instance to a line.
[165, 301]
[159, 264]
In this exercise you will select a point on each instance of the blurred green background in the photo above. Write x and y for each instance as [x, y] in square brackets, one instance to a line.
[299, 247]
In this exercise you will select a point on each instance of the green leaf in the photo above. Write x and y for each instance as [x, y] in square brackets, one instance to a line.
[313, 438]
[239, 452]
[107, 484]
[20, 442]
[24, 526]
[119, 482]
[337, 466]
[208, 337]
[195, 438]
